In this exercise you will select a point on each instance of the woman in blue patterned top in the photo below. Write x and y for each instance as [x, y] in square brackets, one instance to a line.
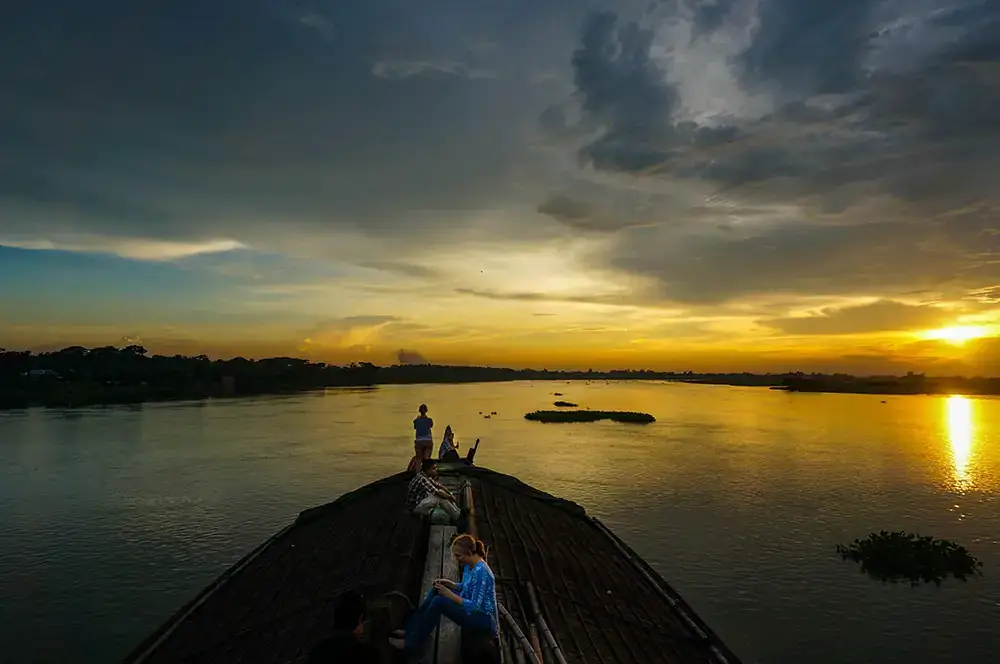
[471, 603]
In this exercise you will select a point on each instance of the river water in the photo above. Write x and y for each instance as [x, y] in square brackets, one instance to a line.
[113, 518]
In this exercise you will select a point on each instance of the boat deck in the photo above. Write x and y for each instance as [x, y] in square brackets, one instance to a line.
[600, 602]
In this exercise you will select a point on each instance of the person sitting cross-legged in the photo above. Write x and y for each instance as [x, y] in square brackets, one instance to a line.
[426, 492]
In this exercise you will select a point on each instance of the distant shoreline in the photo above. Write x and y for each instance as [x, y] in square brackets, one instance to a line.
[80, 377]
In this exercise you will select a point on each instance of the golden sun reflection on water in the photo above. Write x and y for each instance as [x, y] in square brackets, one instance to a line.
[960, 436]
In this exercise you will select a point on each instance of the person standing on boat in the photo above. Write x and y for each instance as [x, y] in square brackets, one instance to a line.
[471, 604]
[423, 440]
[426, 492]
[448, 445]
[345, 645]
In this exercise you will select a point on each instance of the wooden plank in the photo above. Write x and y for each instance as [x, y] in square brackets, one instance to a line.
[436, 547]
[449, 634]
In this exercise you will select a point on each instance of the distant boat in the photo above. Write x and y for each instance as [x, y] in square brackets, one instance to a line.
[573, 589]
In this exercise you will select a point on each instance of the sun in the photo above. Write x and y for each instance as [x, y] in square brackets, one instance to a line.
[956, 335]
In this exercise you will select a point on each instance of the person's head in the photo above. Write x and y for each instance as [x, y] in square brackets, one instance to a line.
[429, 467]
[447, 432]
[468, 550]
[349, 614]
[423, 409]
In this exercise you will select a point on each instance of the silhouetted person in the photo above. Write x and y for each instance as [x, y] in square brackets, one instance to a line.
[423, 439]
[345, 646]
[448, 452]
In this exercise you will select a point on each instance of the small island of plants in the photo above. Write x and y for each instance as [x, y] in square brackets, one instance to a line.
[565, 404]
[589, 416]
[902, 556]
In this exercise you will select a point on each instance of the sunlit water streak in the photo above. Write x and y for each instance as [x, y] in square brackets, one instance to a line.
[960, 437]
[113, 518]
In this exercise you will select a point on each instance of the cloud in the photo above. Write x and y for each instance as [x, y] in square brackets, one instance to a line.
[411, 68]
[404, 356]
[351, 332]
[400, 268]
[133, 248]
[862, 259]
[717, 156]
[852, 155]
[320, 24]
[301, 151]
[878, 316]
[565, 209]
[603, 299]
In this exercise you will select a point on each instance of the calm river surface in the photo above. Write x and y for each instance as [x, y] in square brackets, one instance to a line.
[113, 518]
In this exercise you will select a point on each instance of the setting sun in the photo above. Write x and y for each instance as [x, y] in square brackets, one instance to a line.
[956, 335]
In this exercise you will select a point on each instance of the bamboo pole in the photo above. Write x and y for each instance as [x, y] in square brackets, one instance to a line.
[519, 656]
[556, 650]
[547, 652]
[507, 655]
[533, 636]
[525, 644]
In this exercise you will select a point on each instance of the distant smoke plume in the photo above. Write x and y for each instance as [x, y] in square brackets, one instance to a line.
[404, 356]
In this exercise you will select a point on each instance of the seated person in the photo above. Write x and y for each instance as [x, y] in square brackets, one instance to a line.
[426, 492]
[345, 646]
[449, 448]
[471, 604]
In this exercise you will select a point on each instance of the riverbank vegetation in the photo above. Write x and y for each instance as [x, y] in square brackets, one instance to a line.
[78, 376]
[589, 416]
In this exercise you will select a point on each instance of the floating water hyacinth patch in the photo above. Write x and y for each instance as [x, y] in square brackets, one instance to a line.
[902, 556]
[589, 416]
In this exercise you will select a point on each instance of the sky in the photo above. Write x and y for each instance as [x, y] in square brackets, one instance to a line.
[746, 185]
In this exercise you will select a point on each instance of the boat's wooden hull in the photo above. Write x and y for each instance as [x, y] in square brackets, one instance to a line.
[560, 574]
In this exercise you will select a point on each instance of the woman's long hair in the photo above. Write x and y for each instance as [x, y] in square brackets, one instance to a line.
[468, 545]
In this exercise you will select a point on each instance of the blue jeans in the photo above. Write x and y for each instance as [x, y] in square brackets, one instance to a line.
[423, 622]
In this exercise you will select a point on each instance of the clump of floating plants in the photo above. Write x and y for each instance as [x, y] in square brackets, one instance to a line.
[565, 404]
[903, 556]
[589, 416]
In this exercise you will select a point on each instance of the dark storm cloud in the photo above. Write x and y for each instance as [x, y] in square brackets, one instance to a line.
[880, 316]
[882, 143]
[869, 259]
[622, 91]
[565, 209]
[257, 119]
[800, 51]
[709, 14]
[809, 47]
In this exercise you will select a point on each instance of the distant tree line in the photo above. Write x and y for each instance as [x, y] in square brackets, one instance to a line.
[911, 383]
[79, 376]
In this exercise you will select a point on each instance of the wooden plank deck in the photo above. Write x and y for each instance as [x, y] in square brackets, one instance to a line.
[599, 604]
[279, 603]
[442, 646]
